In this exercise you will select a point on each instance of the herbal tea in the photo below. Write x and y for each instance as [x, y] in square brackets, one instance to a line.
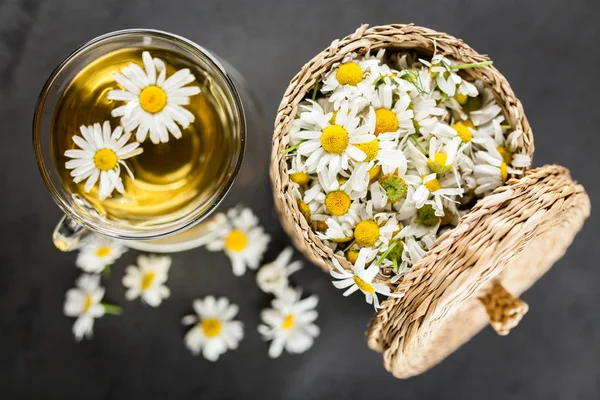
[172, 178]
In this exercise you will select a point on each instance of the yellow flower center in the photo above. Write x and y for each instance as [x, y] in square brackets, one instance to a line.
[352, 255]
[366, 233]
[153, 99]
[87, 304]
[103, 251]
[304, 209]
[211, 327]
[461, 98]
[147, 280]
[333, 117]
[337, 202]
[385, 121]
[362, 285]
[463, 131]
[288, 322]
[439, 163]
[503, 171]
[322, 226]
[334, 139]
[349, 73]
[506, 154]
[236, 241]
[301, 178]
[105, 159]
[370, 149]
[374, 172]
[433, 185]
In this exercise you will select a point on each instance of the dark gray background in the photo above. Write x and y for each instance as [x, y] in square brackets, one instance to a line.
[548, 50]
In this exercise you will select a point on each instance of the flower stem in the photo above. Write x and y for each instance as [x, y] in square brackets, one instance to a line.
[314, 91]
[418, 144]
[112, 309]
[106, 271]
[505, 126]
[386, 253]
[292, 148]
[471, 65]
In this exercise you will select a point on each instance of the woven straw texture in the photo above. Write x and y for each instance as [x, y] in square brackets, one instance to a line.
[499, 249]
[400, 37]
[511, 237]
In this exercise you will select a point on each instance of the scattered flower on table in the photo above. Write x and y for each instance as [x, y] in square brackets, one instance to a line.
[147, 279]
[154, 103]
[84, 303]
[360, 279]
[214, 330]
[99, 158]
[289, 324]
[96, 252]
[242, 239]
[273, 277]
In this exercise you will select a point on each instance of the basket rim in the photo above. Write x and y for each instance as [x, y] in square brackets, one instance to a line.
[399, 36]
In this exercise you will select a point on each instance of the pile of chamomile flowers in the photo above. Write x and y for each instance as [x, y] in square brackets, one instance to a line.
[388, 152]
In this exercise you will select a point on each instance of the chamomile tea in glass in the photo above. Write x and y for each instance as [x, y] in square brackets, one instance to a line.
[139, 135]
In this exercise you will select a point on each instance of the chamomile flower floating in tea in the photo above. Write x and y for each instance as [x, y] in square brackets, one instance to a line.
[391, 151]
[242, 239]
[100, 156]
[213, 329]
[96, 252]
[147, 279]
[289, 324]
[273, 277]
[154, 103]
[84, 303]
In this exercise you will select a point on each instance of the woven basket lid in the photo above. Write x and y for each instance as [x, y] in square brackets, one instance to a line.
[506, 243]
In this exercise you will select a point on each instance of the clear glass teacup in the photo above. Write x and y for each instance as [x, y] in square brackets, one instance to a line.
[170, 205]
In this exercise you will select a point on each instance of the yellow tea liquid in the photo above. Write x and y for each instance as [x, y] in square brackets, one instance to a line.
[171, 179]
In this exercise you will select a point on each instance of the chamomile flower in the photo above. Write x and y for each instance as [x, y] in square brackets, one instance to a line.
[360, 279]
[96, 252]
[484, 108]
[273, 277]
[432, 187]
[332, 146]
[311, 203]
[99, 158]
[242, 240]
[147, 279]
[214, 330]
[392, 115]
[289, 324]
[506, 147]
[84, 303]
[346, 81]
[154, 103]
[374, 230]
[338, 230]
[491, 171]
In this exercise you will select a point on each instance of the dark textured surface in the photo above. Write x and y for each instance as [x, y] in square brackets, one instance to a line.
[548, 50]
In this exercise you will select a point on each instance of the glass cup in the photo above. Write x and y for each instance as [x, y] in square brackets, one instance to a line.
[197, 226]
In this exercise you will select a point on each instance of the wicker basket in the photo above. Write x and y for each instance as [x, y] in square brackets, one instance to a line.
[469, 276]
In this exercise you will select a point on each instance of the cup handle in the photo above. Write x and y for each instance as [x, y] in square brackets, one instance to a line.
[68, 234]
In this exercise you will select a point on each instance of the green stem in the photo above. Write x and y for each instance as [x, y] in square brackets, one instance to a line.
[386, 253]
[292, 148]
[112, 309]
[505, 126]
[418, 144]
[471, 65]
[106, 271]
[314, 91]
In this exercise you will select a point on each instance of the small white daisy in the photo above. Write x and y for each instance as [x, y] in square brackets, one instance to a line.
[346, 81]
[432, 187]
[242, 240]
[361, 279]
[154, 103]
[331, 146]
[214, 331]
[147, 279]
[96, 252]
[273, 277]
[84, 303]
[100, 156]
[392, 115]
[290, 323]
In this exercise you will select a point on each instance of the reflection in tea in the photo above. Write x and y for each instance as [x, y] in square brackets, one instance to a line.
[171, 179]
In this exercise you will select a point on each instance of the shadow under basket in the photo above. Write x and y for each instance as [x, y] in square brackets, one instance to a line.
[473, 273]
